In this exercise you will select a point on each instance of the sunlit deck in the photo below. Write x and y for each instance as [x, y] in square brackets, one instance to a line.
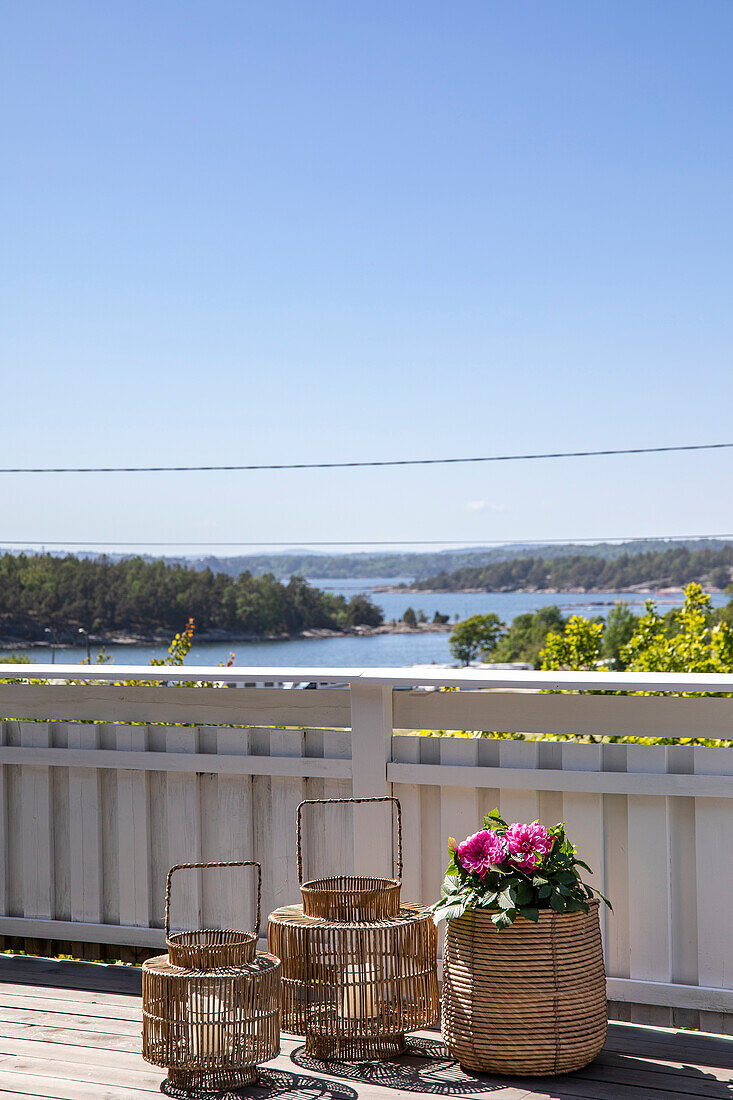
[71, 1031]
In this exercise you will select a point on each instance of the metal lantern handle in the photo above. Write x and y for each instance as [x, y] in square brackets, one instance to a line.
[203, 866]
[351, 802]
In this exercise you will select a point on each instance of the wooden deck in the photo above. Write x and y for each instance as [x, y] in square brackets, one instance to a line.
[71, 1031]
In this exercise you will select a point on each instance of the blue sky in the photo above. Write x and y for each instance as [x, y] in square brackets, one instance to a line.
[281, 232]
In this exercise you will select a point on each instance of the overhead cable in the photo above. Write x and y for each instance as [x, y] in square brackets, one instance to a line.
[356, 465]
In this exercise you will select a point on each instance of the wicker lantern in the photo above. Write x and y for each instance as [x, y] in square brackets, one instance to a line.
[211, 1005]
[359, 970]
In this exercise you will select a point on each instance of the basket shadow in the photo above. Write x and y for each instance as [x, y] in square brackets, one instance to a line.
[426, 1066]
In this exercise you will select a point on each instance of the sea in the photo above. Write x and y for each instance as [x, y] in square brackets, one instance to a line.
[382, 649]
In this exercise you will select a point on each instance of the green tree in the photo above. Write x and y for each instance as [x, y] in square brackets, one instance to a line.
[621, 623]
[577, 648]
[409, 617]
[477, 634]
[696, 642]
[526, 635]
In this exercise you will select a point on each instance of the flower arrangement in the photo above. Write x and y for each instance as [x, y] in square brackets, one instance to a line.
[513, 870]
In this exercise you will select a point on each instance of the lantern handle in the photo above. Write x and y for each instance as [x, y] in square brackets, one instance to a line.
[203, 866]
[350, 802]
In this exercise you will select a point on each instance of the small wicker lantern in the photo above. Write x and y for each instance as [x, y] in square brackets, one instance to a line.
[211, 1005]
[358, 969]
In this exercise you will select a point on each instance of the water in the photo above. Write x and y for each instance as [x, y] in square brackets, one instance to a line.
[382, 649]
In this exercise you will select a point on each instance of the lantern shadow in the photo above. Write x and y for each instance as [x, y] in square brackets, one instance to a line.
[426, 1066]
[277, 1084]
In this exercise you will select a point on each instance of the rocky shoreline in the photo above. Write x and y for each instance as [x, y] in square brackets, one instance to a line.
[226, 636]
[632, 589]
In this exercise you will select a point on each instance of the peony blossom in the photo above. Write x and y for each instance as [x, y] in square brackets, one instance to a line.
[527, 845]
[477, 852]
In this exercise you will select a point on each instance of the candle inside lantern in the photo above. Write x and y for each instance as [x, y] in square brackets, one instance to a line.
[206, 1024]
[360, 998]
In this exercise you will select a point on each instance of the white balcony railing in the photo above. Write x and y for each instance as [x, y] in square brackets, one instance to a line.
[98, 803]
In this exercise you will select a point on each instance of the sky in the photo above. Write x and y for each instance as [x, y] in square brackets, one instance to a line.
[264, 232]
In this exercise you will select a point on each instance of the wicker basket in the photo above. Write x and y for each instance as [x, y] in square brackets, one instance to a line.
[358, 969]
[211, 1007]
[529, 1000]
[351, 897]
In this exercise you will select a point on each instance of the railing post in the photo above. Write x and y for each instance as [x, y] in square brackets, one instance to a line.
[371, 749]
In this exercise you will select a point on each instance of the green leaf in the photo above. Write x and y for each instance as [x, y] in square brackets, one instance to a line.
[530, 913]
[557, 903]
[544, 892]
[449, 912]
[504, 920]
[506, 900]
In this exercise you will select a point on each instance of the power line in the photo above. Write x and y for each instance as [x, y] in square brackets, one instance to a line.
[355, 465]
[295, 545]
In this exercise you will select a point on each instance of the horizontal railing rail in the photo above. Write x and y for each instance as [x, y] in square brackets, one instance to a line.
[503, 679]
[105, 784]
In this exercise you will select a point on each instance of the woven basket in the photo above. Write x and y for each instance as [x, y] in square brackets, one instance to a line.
[359, 970]
[351, 898]
[529, 1000]
[211, 1006]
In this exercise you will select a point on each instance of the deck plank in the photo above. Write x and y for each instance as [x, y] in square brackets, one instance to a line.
[63, 1036]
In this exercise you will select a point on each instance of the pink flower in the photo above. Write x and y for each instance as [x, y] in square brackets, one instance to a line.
[527, 844]
[477, 852]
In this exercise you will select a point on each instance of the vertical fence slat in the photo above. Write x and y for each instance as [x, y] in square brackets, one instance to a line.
[371, 743]
[458, 808]
[184, 833]
[38, 827]
[407, 751]
[649, 877]
[615, 861]
[433, 844]
[286, 793]
[262, 817]
[334, 824]
[235, 827]
[583, 816]
[85, 832]
[683, 876]
[520, 805]
[713, 832]
[133, 832]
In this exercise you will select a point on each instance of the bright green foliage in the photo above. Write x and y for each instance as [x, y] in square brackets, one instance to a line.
[578, 647]
[477, 634]
[179, 648]
[696, 643]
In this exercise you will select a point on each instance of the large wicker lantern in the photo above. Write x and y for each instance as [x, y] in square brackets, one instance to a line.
[211, 1005]
[359, 970]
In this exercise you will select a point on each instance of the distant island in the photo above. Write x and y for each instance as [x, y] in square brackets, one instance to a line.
[671, 568]
[44, 598]
[418, 565]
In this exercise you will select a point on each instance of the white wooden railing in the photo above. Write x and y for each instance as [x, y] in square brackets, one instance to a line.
[100, 792]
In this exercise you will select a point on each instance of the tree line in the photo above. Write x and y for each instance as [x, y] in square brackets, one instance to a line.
[40, 592]
[678, 566]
